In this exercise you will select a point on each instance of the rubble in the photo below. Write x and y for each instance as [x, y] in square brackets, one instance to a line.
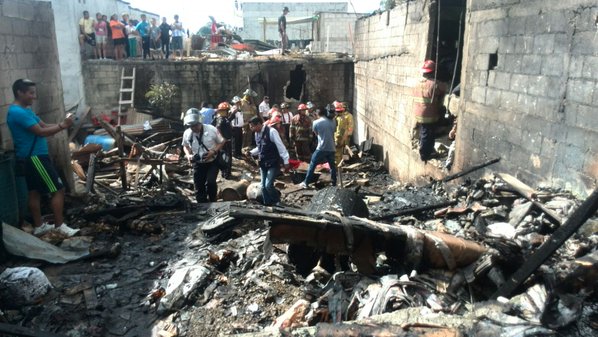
[376, 257]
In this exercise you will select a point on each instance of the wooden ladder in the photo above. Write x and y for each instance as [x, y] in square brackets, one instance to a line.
[126, 95]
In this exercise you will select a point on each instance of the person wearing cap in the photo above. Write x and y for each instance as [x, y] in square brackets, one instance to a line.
[301, 133]
[287, 116]
[282, 29]
[344, 129]
[237, 120]
[264, 108]
[271, 153]
[221, 122]
[427, 105]
[29, 135]
[201, 143]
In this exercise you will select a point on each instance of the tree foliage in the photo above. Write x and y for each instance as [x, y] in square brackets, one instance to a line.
[162, 95]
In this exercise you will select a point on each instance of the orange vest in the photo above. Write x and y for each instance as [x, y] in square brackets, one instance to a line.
[426, 106]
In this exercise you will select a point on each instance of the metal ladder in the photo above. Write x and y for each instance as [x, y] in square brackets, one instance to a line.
[126, 95]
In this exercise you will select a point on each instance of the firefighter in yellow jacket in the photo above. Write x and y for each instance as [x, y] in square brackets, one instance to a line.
[427, 104]
[344, 129]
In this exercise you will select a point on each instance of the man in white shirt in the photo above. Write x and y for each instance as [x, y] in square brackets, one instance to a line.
[237, 121]
[271, 154]
[201, 143]
[264, 108]
[287, 117]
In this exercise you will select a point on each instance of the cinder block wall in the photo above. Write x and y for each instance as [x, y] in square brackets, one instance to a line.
[217, 81]
[390, 49]
[334, 32]
[28, 50]
[537, 107]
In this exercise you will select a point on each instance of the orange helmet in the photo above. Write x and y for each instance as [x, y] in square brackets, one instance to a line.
[275, 119]
[224, 106]
[301, 107]
[338, 106]
[429, 66]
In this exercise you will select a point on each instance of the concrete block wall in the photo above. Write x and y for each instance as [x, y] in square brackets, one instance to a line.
[217, 81]
[536, 106]
[390, 49]
[334, 32]
[28, 50]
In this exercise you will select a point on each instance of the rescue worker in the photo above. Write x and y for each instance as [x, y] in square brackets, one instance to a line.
[271, 153]
[287, 116]
[301, 133]
[221, 122]
[313, 114]
[427, 104]
[249, 109]
[236, 117]
[344, 130]
[201, 143]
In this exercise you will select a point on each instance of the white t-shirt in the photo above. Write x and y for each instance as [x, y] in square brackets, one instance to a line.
[264, 109]
[287, 117]
[210, 138]
[237, 121]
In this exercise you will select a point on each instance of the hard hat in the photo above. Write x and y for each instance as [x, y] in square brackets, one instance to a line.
[250, 92]
[338, 106]
[284, 105]
[310, 105]
[193, 119]
[302, 107]
[236, 99]
[429, 66]
[192, 111]
[224, 106]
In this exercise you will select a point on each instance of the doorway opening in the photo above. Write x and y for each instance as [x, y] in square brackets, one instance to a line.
[296, 84]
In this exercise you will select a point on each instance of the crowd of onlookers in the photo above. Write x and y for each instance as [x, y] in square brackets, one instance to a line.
[130, 38]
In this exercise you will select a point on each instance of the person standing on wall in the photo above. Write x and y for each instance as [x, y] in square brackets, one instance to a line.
[324, 128]
[165, 38]
[427, 104]
[29, 134]
[201, 143]
[125, 22]
[87, 33]
[101, 32]
[271, 154]
[143, 28]
[177, 36]
[344, 130]
[282, 29]
[118, 37]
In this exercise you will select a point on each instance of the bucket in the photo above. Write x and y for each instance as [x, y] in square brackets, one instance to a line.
[9, 206]
[107, 142]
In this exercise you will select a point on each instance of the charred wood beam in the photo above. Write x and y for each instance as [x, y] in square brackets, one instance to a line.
[415, 210]
[469, 170]
[586, 210]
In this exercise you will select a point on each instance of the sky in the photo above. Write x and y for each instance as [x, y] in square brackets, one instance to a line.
[194, 13]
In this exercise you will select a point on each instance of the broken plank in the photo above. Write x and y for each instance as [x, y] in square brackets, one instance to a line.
[121, 152]
[586, 210]
[415, 210]
[91, 173]
[81, 120]
[469, 170]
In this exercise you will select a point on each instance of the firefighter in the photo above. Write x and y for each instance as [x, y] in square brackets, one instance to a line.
[301, 133]
[427, 104]
[344, 129]
[221, 122]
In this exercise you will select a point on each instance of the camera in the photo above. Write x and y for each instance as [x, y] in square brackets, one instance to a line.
[198, 158]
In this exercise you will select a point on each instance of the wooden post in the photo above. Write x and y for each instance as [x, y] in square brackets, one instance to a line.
[91, 173]
[121, 153]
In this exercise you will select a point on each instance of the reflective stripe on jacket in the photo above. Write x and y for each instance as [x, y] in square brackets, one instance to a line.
[427, 108]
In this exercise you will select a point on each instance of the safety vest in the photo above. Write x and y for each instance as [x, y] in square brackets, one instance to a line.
[427, 108]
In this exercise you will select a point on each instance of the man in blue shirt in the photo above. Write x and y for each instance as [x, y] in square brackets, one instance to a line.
[324, 128]
[207, 111]
[143, 28]
[29, 134]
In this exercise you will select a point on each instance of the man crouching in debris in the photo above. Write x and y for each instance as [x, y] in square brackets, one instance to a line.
[427, 103]
[201, 143]
[29, 134]
[270, 151]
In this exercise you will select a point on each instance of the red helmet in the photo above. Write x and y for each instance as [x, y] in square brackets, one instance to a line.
[224, 106]
[338, 106]
[301, 107]
[429, 66]
[275, 119]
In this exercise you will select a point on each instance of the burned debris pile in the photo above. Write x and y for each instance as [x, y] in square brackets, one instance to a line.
[484, 257]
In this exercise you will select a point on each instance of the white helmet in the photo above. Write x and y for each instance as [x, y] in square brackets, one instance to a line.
[250, 92]
[192, 119]
[192, 111]
[236, 99]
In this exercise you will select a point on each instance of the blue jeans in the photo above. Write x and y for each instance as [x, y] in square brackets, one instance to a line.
[320, 157]
[269, 192]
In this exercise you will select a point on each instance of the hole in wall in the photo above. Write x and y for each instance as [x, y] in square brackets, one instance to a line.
[492, 61]
[295, 87]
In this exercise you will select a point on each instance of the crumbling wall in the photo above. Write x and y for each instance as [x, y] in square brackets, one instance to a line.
[217, 81]
[530, 92]
[28, 50]
[390, 49]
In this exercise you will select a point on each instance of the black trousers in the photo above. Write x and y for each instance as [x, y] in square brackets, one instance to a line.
[228, 149]
[166, 46]
[426, 140]
[237, 141]
[145, 42]
[204, 178]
